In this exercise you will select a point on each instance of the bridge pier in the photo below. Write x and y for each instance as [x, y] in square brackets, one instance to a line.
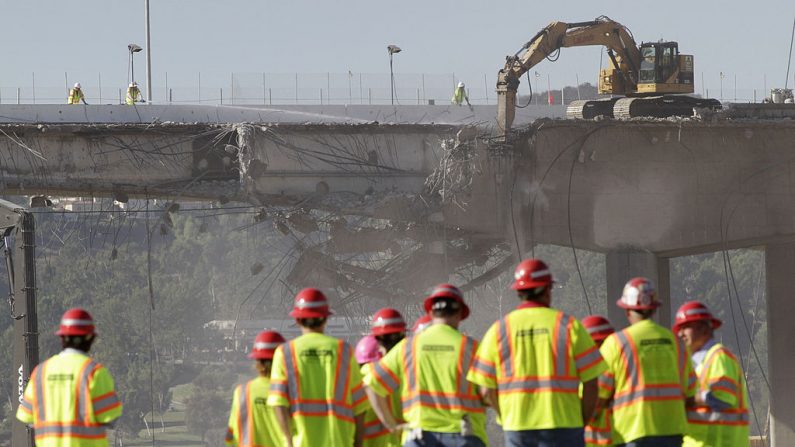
[780, 271]
[621, 266]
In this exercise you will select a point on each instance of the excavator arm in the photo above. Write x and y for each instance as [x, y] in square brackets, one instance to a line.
[622, 50]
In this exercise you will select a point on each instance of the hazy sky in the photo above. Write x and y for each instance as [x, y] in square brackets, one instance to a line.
[469, 38]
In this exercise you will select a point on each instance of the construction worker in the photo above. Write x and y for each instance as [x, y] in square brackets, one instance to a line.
[76, 95]
[720, 417]
[316, 386]
[368, 350]
[70, 399]
[650, 376]
[388, 327]
[251, 421]
[421, 323]
[429, 370]
[460, 95]
[530, 365]
[133, 94]
[598, 431]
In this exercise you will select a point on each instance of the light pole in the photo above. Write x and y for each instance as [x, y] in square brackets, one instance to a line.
[133, 48]
[148, 57]
[538, 76]
[721, 85]
[392, 49]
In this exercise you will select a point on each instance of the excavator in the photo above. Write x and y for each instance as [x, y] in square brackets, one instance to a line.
[647, 80]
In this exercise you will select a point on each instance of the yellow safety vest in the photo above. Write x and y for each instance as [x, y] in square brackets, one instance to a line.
[721, 375]
[251, 422]
[599, 430]
[133, 95]
[75, 95]
[68, 400]
[536, 358]
[317, 377]
[649, 377]
[375, 433]
[458, 96]
[429, 369]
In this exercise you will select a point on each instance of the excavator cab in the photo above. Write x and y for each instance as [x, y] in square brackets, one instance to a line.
[664, 70]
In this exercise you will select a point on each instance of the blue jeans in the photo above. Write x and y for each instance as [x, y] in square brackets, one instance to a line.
[557, 437]
[655, 441]
[436, 439]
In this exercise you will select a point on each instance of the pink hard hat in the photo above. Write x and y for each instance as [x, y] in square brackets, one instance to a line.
[367, 350]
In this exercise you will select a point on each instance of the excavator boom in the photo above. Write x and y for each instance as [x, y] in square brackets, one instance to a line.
[623, 50]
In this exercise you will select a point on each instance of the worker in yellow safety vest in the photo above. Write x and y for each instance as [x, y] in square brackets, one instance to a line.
[251, 422]
[376, 434]
[70, 399]
[76, 95]
[429, 370]
[720, 417]
[316, 386]
[598, 431]
[460, 95]
[530, 365]
[133, 94]
[650, 378]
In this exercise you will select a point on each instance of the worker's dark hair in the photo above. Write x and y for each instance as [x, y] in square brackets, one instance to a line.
[311, 323]
[532, 294]
[445, 307]
[264, 366]
[79, 342]
[645, 313]
[388, 341]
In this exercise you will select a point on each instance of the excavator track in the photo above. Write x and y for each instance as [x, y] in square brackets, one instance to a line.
[591, 108]
[662, 106]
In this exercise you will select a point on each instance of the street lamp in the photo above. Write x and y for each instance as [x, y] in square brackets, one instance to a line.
[392, 49]
[721, 85]
[133, 48]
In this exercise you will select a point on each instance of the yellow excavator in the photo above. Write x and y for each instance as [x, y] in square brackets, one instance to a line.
[647, 80]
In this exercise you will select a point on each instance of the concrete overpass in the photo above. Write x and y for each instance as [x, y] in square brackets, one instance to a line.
[641, 192]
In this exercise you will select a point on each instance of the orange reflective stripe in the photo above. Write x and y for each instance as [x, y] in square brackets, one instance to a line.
[292, 372]
[561, 345]
[386, 377]
[444, 401]
[71, 430]
[244, 424]
[82, 394]
[409, 365]
[485, 367]
[630, 355]
[343, 372]
[505, 348]
[704, 415]
[40, 415]
[106, 402]
[279, 388]
[464, 363]
[540, 384]
[587, 359]
[649, 392]
[375, 429]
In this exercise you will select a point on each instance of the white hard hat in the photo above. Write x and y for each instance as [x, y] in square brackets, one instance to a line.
[461, 84]
[132, 84]
[77, 85]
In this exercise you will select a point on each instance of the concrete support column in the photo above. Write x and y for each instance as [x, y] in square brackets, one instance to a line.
[780, 269]
[624, 265]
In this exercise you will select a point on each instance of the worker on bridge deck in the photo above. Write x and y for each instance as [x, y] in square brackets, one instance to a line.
[252, 422]
[428, 369]
[316, 386]
[720, 417]
[133, 94]
[70, 399]
[531, 363]
[460, 95]
[649, 375]
[76, 95]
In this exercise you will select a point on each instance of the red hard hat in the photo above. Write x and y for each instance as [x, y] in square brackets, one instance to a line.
[310, 303]
[265, 345]
[639, 294]
[694, 311]
[531, 273]
[598, 326]
[76, 322]
[447, 291]
[421, 323]
[387, 321]
[367, 350]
